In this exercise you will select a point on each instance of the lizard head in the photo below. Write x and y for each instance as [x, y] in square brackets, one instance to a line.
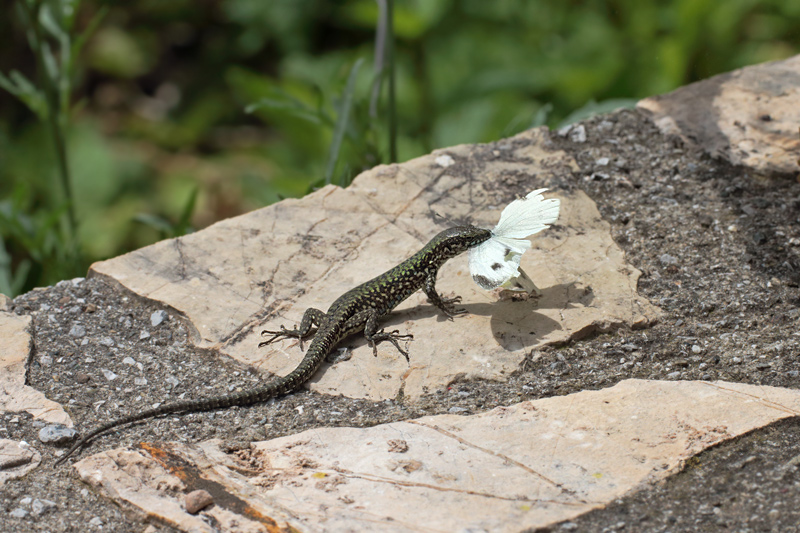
[459, 239]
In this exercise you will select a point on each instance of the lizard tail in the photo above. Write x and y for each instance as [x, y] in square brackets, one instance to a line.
[277, 387]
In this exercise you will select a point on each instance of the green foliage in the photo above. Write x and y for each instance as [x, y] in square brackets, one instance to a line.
[49, 24]
[34, 235]
[342, 122]
[592, 108]
[167, 229]
[165, 116]
[335, 129]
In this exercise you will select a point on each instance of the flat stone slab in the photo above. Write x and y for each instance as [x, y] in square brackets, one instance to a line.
[748, 116]
[16, 460]
[15, 396]
[512, 468]
[263, 269]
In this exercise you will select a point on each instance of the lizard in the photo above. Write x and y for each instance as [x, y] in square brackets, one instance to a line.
[357, 310]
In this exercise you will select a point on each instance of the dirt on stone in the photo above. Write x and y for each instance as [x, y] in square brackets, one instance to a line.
[719, 248]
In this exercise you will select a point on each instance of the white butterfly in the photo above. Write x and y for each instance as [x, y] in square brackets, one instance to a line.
[496, 261]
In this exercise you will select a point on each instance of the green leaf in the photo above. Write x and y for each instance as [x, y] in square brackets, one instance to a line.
[69, 9]
[59, 73]
[290, 105]
[540, 118]
[156, 222]
[25, 91]
[341, 121]
[592, 108]
[49, 23]
[184, 223]
[8, 85]
[50, 64]
[12, 282]
[80, 41]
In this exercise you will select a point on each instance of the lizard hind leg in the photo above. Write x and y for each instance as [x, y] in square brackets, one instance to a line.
[393, 337]
[311, 318]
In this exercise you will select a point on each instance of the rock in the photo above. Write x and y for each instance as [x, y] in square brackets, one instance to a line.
[197, 500]
[107, 341]
[16, 459]
[562, 456]
[158, 317]
[39, 507]
[667, 260]
[56, 434]
[736, 130]
[326, 243]
[14, 394]
[77, 331]
[444, 160]
[578, 134]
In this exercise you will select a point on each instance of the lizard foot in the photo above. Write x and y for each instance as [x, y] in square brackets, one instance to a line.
[392, 337]
[283, 333]
[449, 309]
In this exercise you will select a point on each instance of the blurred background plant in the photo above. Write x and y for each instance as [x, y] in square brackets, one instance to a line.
[125, 122]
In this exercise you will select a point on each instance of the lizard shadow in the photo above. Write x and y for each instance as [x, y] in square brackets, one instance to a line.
[514, 324]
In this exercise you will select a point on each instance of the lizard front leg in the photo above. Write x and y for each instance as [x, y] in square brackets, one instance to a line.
[369, 318]
[312, 317]
[445, 304]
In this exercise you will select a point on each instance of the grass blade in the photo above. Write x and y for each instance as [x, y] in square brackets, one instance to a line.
[341, 121]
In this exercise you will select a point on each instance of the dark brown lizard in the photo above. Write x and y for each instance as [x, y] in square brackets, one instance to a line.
[359, 309]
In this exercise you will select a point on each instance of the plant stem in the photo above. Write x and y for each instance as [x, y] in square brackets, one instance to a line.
[391, 66]
[379, 60]
[55, 122]
[63, 170]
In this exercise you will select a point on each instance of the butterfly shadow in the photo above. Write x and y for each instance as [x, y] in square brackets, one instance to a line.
[524, 323]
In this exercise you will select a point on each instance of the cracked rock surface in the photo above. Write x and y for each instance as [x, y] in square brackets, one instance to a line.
[512, 468]
[264, 269]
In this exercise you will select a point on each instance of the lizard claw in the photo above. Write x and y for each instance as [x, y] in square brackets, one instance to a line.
[392, 337]
[447, 307]
[277, 335]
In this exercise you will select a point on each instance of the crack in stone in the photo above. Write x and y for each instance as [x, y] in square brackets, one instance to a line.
[565, 491]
